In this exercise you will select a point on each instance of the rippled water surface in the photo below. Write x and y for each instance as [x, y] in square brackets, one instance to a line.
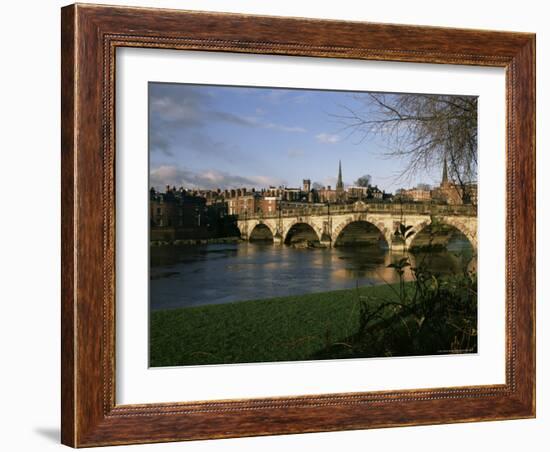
[182, 276]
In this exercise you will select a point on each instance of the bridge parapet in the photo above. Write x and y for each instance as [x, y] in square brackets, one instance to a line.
[388, 208]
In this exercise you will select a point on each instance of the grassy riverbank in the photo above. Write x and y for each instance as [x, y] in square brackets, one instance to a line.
[277, 329]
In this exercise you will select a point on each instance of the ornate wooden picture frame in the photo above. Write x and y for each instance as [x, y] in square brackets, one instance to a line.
[90, 37]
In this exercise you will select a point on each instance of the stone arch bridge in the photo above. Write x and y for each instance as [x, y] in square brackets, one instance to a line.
[326, 223]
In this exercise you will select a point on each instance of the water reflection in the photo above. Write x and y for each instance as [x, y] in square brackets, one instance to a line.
[183, 276]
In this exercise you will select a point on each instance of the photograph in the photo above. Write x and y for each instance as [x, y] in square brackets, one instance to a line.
[278, 221]
[298, 224]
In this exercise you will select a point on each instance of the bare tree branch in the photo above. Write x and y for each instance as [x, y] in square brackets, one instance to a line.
[425, 129]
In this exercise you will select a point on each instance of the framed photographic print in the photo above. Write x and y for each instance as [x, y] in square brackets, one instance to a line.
[281, 225]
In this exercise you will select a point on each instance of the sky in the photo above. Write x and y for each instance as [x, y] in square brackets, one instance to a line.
[206, 136]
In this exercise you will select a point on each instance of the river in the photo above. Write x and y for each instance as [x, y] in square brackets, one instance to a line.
[183, 276]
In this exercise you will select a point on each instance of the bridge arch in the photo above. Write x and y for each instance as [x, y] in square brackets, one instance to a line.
[452, 227]
[238, 231]
[417, 228]
[261, 232]
[466, 226]
[246, 227]
[300, 231]
[360, 232]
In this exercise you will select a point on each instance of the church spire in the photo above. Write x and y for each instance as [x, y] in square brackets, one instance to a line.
[339, 184]
[444, 178]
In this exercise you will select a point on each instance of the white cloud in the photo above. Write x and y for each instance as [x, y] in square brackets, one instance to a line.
[208, 179]
[295, 153]
[329, 181]
[171, 110]
[327, 138]
[187, 112]
[282, 128]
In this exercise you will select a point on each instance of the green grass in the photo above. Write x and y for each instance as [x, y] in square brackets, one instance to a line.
[276, 329]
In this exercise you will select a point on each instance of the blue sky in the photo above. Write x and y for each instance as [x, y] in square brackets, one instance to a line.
[204, 136]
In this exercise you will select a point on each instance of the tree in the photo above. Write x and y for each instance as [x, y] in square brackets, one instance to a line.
[364, 181]
[317, 186]
[424, 129]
